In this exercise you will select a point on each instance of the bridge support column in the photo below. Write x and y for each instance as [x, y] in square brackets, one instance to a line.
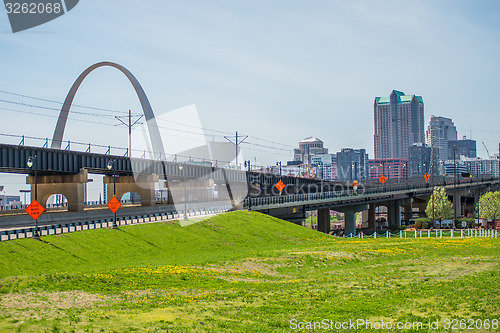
[350, 217]
[407, 211]
[394, 214]
[457, 203]
[371, 216]
[71, 186]
[144, 186]
[324, 220]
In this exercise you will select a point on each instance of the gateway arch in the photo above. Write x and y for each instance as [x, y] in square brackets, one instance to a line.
[154, 133]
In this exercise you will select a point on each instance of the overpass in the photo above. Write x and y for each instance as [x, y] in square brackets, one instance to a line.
[65, 172]
[58, 171]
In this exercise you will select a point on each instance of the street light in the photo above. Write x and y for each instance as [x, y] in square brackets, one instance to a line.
[185, 193]
[32, 160]
[112, 166]
[320, 164]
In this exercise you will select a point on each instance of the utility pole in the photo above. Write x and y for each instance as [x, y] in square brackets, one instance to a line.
[129, 125]
[236, 143]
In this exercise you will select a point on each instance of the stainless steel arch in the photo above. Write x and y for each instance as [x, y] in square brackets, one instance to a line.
[154, 133]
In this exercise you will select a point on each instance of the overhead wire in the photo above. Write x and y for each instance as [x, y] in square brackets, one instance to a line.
[109, 117]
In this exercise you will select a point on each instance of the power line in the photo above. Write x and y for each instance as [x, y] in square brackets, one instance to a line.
[55, 109]
[57, 102]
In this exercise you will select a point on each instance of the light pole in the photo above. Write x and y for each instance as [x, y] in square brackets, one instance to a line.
[32, 160]
[320, 164]
[279, 164]
[112, 166]
[455, 188]
[185, 193]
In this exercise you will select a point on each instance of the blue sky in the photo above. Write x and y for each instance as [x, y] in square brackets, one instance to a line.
[275, 70]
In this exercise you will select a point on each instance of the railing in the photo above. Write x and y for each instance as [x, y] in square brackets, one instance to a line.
[461, 233]
[347, 194]
[105, 223]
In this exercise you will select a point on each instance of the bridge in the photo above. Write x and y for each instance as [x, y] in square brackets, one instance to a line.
[192, 185]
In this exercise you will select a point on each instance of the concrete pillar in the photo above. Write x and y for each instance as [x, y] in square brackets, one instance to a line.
[371, 216]
[144, 186]
[350, 217]
[457, 203]
[71, 186]
[394, 214]
[324, 220]
[407, 211]
[350, 223]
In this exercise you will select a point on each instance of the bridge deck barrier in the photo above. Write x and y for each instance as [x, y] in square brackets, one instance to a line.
[6, 235]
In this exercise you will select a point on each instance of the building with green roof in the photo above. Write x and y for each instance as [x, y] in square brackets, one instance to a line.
[399, 123]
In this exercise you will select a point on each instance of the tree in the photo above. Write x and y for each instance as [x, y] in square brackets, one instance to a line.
[439, 207]
[489, 206]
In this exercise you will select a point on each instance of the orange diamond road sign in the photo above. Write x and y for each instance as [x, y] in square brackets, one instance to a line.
[280, 186]
[35, 210]
[382, 179]
[426, 176]
[114, 204]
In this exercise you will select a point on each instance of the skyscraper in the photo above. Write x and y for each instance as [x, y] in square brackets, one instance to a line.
[465, 147]
[399, 123]
[440, 131]
[352, 164]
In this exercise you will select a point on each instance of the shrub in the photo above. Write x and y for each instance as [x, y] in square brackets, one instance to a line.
[422, 222]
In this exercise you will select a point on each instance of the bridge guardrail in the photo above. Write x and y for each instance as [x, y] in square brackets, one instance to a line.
[349, 193]
[57, 229]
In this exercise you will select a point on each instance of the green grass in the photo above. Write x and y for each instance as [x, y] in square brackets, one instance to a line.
[239, 272]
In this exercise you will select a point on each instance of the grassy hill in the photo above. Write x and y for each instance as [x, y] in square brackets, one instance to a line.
[227, 236]
[243, 272]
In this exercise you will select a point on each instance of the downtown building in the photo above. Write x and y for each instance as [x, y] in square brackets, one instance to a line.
[307, 148]
[465, 147]
[326, 165]
[388, 167]
[440, 131]
[422, 160]
[352, 164]
[399, 123]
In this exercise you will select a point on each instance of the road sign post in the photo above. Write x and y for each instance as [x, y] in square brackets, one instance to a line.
[427, 176]
[35, 210]
[114, 205]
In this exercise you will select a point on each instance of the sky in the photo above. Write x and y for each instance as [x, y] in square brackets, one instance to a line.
[277, 71]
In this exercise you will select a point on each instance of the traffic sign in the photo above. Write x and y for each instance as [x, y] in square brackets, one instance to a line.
[114, 204]
[280, 186]
[382, 179]
[426, 176]
[34, 210]
[355, 184]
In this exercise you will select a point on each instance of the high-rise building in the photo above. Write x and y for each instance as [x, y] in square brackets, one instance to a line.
[389, 167]
[420, 160]
[399, 123]
[307, 148]
[327, 165]
[352, 164]
[465, 147]
[440, 131]
[482, 167]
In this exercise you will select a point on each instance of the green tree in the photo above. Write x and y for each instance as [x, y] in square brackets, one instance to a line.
[489, 206]
[439, 207]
